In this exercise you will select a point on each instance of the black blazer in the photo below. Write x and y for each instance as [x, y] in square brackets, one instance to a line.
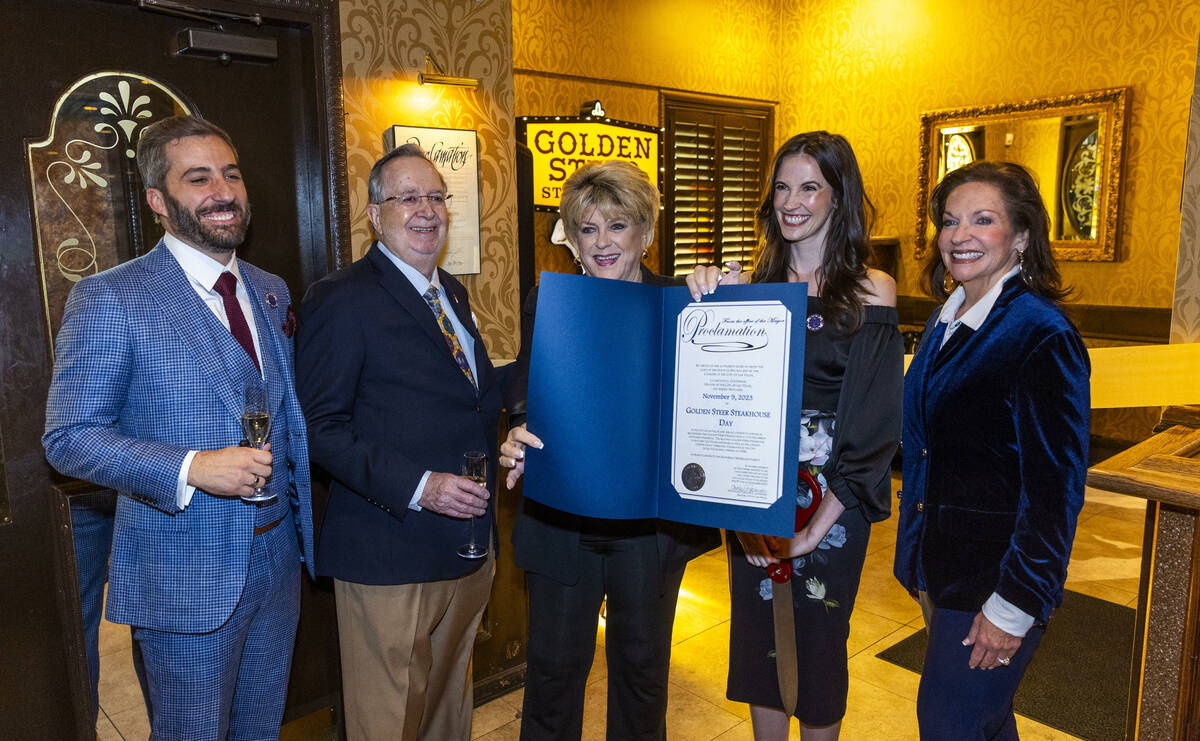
[546, 540]
[385, 402]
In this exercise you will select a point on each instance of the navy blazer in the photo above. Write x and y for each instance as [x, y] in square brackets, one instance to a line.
[995, 457]
[143, 373]
[385, 402]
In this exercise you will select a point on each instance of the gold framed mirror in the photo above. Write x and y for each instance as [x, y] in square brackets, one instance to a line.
[1073, 145]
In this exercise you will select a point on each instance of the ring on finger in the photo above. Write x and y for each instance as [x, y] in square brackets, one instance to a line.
[1003, 660]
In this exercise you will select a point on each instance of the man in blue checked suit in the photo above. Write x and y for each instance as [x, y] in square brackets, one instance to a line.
[152, 362]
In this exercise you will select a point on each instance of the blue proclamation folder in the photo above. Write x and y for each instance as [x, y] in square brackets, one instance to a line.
[601, 398]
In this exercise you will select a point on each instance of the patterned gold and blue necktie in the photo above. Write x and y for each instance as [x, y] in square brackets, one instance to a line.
[435, 305]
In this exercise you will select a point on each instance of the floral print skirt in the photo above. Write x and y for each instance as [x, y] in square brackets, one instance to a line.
[824, 585]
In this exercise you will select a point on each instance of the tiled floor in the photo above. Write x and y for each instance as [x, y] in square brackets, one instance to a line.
[882, 702]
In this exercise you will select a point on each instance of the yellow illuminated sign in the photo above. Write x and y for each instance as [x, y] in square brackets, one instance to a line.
[561, 145]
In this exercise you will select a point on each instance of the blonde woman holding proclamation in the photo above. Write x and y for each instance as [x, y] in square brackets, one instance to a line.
[574, 564]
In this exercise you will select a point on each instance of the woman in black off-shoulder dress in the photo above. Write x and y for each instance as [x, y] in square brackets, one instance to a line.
[813, 226]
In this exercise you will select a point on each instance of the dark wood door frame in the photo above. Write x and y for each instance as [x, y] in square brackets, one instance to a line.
[44, 679]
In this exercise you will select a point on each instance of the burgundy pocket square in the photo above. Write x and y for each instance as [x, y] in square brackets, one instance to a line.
[290, 324]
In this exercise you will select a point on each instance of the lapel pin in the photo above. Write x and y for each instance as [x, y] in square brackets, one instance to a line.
[272, 301]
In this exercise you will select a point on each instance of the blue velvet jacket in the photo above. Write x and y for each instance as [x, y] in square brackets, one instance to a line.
[995, 457]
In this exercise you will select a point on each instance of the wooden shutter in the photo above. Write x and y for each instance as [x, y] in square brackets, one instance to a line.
[716, 156]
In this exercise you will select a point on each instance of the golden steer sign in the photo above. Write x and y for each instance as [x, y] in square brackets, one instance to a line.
[562, 145]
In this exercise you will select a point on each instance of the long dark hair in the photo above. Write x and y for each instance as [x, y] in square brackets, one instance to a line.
[843, 260]
[1026, 212]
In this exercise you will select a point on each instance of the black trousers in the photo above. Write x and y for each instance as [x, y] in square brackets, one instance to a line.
[562, 642]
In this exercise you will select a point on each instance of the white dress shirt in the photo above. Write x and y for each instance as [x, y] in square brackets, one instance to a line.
[202, 272]
[974, 316]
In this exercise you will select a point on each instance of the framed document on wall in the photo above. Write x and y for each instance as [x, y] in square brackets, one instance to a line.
[455, 153]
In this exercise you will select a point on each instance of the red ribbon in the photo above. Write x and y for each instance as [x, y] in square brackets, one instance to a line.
[782, 572]
[803, 515]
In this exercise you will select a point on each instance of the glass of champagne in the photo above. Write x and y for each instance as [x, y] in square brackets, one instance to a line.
[256, 426]
[474, 467]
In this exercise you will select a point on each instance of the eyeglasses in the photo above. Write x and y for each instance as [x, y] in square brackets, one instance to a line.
[412, 200]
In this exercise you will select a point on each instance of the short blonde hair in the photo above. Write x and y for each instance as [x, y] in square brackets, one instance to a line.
[610, 187]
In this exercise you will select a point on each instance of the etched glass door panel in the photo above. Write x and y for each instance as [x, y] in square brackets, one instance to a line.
[89, 210]
[81, 81]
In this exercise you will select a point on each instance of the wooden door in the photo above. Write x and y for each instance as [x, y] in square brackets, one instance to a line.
[70, 207]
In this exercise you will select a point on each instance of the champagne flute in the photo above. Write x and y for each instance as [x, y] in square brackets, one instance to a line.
[256, 426]
[474, 467]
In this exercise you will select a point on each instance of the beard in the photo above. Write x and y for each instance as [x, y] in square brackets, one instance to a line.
[204, 234]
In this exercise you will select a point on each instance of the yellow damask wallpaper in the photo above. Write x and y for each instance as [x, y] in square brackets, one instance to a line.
[868, 68]
[724, 47]
[383, 48]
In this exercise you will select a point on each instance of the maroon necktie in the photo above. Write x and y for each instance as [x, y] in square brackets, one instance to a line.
[227, 287]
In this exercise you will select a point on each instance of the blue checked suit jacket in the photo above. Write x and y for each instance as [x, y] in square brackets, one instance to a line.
[144, 372]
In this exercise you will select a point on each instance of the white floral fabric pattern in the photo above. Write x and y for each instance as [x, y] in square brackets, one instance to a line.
[816, 443]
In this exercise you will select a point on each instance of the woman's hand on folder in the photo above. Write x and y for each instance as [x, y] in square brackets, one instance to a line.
[705, 278]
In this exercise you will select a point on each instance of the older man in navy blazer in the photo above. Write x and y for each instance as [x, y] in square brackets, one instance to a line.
[397, 386]
[152, 362]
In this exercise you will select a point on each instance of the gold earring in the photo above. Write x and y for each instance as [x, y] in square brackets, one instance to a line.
[948, 282]
[1024, 273]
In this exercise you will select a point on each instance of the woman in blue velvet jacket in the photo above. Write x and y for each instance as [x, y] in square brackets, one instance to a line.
[996, 415]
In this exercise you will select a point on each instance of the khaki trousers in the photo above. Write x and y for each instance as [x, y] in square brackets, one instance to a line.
[406, 656]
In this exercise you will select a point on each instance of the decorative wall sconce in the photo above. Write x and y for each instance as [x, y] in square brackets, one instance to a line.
[433, 75]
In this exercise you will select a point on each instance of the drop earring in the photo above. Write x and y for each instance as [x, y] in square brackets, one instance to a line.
[948, 282]
[1024, 273]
